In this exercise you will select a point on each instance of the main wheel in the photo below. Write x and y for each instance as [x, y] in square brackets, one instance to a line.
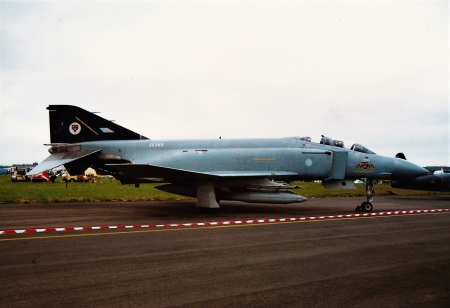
[367, 207]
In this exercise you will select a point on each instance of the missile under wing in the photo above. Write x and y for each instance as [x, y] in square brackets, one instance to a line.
[249, 170]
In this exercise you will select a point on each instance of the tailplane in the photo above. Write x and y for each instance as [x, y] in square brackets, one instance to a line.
[71, 124]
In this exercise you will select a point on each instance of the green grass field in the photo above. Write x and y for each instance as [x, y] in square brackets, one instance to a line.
[107, 190]
[103, 190]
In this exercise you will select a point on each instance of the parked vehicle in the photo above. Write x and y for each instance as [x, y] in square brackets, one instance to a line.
[70, 178]
[90, 175]
[41, 177]
[19, 175]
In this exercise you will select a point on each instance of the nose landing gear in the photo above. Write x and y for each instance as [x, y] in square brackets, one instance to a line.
[370, 192]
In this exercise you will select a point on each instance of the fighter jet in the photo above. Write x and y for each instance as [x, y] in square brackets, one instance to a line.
[438, 181]
[248, 170]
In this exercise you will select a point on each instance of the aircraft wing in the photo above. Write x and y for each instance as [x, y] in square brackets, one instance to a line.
[58, 159]
[152, 171]
[254, 174]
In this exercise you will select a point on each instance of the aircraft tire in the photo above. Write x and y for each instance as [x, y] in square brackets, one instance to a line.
[367, 207]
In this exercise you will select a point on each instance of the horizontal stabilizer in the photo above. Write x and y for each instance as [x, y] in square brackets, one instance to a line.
[58, 159]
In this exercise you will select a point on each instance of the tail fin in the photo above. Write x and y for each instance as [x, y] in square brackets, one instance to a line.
[71, 124]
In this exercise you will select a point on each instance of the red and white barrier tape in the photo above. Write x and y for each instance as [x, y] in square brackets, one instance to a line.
[222, 223]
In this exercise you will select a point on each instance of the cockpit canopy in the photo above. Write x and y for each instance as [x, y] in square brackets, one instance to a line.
[338, 143]
[359, 148]
[330, 141]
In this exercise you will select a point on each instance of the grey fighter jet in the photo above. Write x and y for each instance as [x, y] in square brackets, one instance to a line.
[249, 170]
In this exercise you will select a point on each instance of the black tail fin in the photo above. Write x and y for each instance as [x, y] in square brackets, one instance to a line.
[71, 124]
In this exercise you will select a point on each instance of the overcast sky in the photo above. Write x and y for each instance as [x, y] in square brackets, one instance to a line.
[373, 72]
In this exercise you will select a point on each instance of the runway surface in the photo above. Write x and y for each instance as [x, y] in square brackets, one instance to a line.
[391, 261]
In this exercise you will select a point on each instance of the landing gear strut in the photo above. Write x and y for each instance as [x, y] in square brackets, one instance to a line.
[206, 198]
[370, 192]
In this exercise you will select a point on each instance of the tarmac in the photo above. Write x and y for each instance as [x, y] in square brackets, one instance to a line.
[388, 260]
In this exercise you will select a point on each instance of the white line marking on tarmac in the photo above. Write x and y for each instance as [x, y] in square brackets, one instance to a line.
[219, 223]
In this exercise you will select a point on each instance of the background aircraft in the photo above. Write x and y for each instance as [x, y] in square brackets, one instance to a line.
[249, 170]
[438, 181]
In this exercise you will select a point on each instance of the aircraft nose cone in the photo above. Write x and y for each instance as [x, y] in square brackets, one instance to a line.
[406, 170]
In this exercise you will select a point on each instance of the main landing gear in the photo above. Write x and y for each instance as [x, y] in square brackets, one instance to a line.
[206, 198]
[370, 192]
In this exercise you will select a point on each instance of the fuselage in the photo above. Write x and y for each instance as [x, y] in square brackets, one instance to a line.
[250, 170]
[309, 160]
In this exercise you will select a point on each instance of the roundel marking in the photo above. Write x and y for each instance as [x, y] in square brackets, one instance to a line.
[75, 128]
[308, 162]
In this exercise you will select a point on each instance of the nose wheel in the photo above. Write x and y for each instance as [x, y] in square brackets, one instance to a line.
[364, 207]
[370, 192]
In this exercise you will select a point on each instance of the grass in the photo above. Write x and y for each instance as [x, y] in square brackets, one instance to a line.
[107, 190]
[103, 190]
[316, 190]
